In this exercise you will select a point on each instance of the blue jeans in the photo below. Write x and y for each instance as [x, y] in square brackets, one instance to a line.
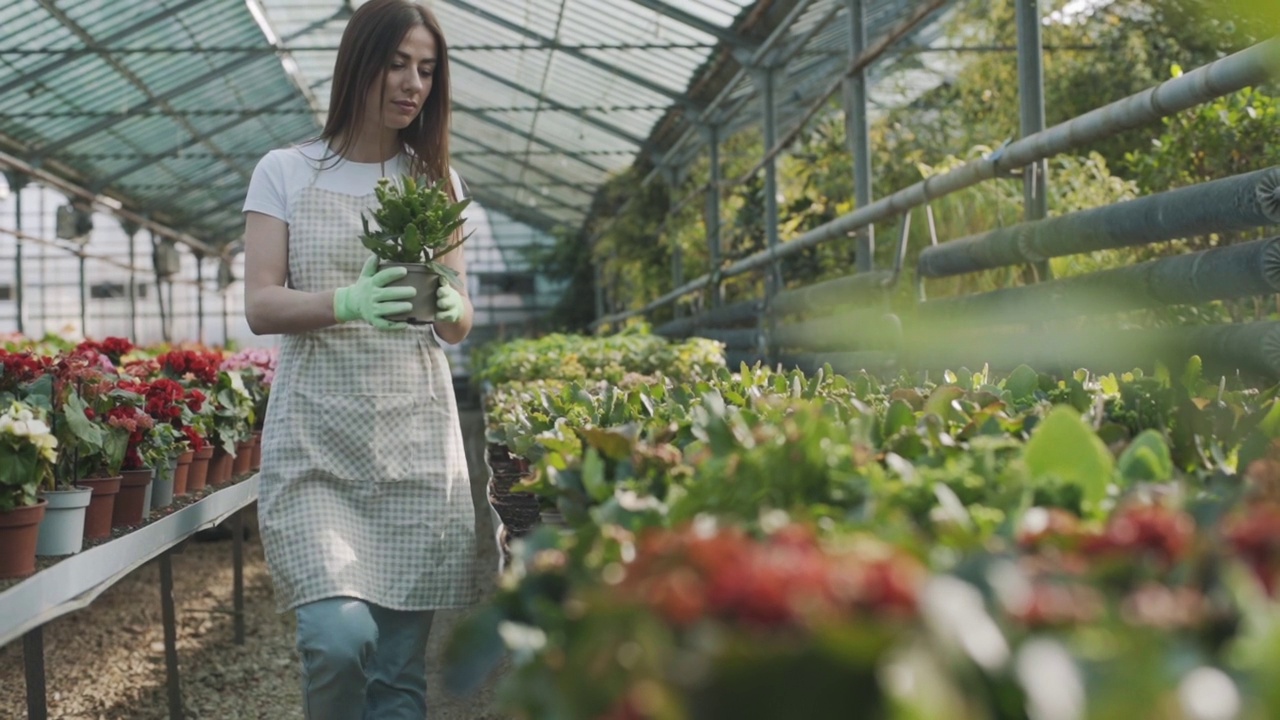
[361, 661]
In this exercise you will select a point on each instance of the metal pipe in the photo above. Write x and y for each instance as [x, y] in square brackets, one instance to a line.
[132, 232]
[200, 298]
[1251, 348]
[1246, 68]
[1031, 95]
[858, 132]
[857, 330]
[831, 295]
[1233, 204]
[1233, 271]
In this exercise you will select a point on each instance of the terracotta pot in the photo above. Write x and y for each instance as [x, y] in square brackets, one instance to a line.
[219, 468]
[426, 283]
[19, 529]
[102, 505]
[244, 458]
[256, 462]
[131, 506]
[198, 475]
[181, 473]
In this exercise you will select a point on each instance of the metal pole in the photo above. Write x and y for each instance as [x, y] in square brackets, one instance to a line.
[17, 181]
[766, 78]
[237, 583]
[200, 298]
[168, 617]
[84, 301]
[226, 334]
[713, 214]
[132, 232]
[1232, 204]
[599, 283]
[33, 666]
[1031, 92]
[677, 254]
[858, 132]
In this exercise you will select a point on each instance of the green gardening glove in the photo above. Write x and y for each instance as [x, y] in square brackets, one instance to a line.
[448, 304]
[370, 300]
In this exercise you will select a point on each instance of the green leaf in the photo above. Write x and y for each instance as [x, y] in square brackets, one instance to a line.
[85, 430]
[593, 478]
[899, 416]
[1192, 374]
[1271, 423]
[1023, 382]
[1146, 459]
[1109, 385]
[1064, 447]
[614, 443]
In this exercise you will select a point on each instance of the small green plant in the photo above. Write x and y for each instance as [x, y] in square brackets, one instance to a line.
[415, 223]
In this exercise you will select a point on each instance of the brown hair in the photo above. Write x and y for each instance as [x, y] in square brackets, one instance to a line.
[369, 43]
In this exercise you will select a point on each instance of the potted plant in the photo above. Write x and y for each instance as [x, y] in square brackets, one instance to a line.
[28, 451]
[415, 224]
[135, 474]
[93, 453]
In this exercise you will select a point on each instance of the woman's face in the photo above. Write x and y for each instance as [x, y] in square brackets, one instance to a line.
[406, 83]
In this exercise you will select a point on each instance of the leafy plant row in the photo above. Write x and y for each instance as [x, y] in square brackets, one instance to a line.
[769, 544]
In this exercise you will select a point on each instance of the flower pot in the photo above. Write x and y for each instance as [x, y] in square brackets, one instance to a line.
[162, 484]
[219, 468]
[426, 283]
[131, 505]
[181, 471]
[256, 461]
[19, 529]
[198, 474]
[102, 505]
[243, 459]
[62, 529]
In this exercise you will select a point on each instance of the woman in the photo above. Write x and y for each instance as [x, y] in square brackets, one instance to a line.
[365, 507]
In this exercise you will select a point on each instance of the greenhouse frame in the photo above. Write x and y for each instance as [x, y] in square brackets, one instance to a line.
[663, 304]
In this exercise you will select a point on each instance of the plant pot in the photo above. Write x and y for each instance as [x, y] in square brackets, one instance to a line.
[219, 468]
[162, 484]
[19, 529]
[102, 505]
[182, 471]
[131, 504]
[256, 461]
[198, 474]
[243, 459]
[62, 529]
[426, 283]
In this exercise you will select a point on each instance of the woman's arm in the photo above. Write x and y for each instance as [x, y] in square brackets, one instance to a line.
[455, 332]
[270, 307]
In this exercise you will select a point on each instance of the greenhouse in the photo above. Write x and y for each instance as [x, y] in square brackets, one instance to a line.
[640, 359]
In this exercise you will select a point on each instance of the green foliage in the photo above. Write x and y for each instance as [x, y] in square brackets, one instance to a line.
[415, 223]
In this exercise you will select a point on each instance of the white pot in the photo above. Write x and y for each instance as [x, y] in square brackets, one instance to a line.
[62, 529]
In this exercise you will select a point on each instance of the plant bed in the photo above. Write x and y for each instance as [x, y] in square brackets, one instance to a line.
[519, 511]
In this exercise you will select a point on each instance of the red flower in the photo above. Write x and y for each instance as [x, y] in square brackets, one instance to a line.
[1255, 537]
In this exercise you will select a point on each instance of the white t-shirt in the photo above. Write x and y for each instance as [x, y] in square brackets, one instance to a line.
[282, 174]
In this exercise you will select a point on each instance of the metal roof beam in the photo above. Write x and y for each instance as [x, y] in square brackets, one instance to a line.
[148, 160]
[529, 216]
[584, 153]
[61, 55]
[259, 50]
[723, 34]
[504, 181]
[539, 170]
[481, 116]
[44, 150]
[551, 105]
[132, 78]
[551, 44]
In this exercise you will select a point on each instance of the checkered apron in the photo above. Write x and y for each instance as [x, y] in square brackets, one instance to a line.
[364, 485]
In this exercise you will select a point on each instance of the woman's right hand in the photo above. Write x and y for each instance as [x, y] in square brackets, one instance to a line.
[370, 299]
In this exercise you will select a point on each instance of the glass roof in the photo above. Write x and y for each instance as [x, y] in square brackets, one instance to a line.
[168, 104]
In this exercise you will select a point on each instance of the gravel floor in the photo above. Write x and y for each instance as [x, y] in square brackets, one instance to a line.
[106, 662]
